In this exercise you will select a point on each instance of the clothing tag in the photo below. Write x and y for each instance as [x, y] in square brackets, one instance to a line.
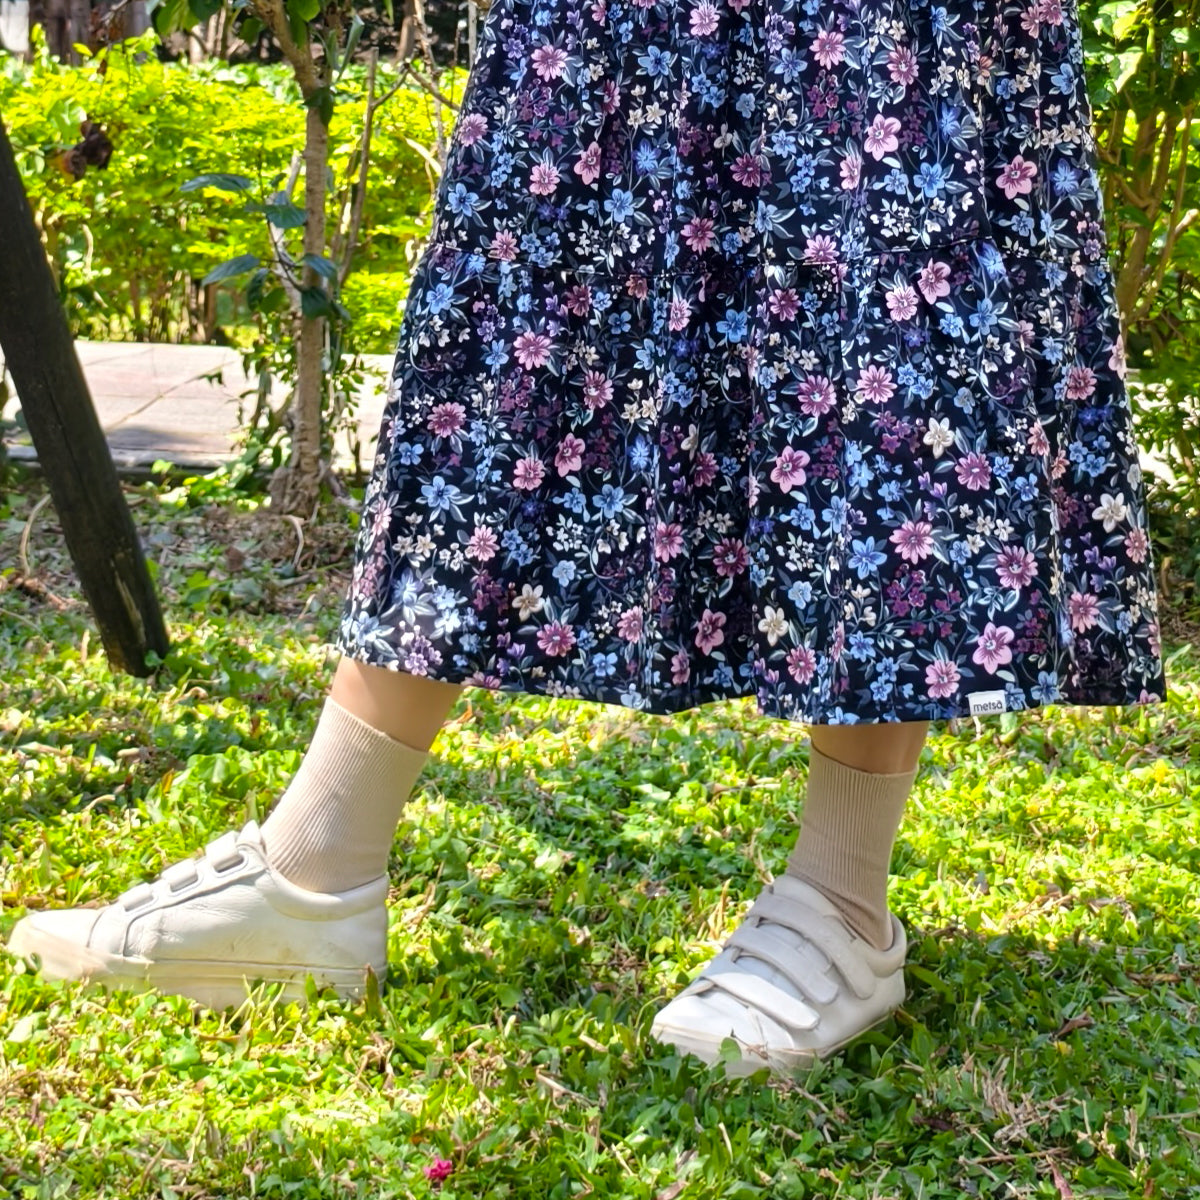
[986, 704]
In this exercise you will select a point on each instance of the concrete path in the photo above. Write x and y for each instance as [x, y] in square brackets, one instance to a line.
[180, 404]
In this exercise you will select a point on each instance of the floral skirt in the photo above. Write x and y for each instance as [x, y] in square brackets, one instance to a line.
[765, 347]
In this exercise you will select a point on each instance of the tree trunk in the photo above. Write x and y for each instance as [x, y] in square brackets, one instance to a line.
[296, 487]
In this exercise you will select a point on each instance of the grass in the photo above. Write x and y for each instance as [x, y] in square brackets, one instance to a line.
[563, 869]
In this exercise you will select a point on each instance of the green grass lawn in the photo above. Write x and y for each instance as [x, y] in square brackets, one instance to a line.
[562, 870]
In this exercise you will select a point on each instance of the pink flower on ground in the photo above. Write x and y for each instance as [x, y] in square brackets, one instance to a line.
[901, 302]
[934, 281]
[829, 48]
[588, 166]
[668, 541]
[973, 472]
[1081, 383]
[941, 678]
[789, 471]
[914, 540]
[1016, 567]
[556, 639]
[1017, 177]
[784, 303]
[1084, 610]
[529, 473]
[544, 178]
[992, 650]
[532, 349]
[550, 62]
[703, 19]
[817, 396]
[439, 1171]
[881, 136]
[801, 663]
[875, 385]
[1137, 545]
[570, 454]
[730, 557]
[630, 624]
[445, 420]
[697, 233]
[483, 544]
[710, 630]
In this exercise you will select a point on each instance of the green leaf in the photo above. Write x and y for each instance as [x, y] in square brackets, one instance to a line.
[220, 181]
[234, 266]
[315, 302]
[322, 101]
[283, 214]
[322, 266]
[306, 10]
[202, 10]
[172, 16]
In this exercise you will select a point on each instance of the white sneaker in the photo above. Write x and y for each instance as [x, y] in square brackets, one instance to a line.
[210, 927]
[793, 983]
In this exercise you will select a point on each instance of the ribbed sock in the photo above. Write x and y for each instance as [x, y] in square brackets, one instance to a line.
[332, 829]
[847, 832]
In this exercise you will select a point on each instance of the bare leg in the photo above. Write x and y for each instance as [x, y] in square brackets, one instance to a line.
[405, 707]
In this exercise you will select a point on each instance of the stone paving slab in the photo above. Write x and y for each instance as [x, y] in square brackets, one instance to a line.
[179, 404]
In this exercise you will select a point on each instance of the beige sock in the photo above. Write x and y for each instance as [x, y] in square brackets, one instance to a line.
[332, 829]
[845, 845]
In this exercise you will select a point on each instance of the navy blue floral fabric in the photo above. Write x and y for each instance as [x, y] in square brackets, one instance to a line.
[765, 347]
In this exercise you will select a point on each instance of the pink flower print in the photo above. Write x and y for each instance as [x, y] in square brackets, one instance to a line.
[705, 470]
[941, 678]
[875, 385]
[1116, 359]
[730, 557]
[829, 48]
[630, 624]
[668, 541]
[530, 472]
[681, 314]
[973, 472]
[550, 62]
[471, 128]
[902, 66]
[992, 649]
[850, 170]
[504, 247]
[1017, 177]
[587, 166]
[901, 302]
[445, 420]
[817, 396]
[569, 456]
[1081, 383]
[789, 471]
[703, 20]
[578, 300]
[914, 540]
[784, 303]
[681, 668]
[544, 178]
[638, 286]
[1016, 567]
[934, 281]
[1051, 12]
[1031, 20]
[483, 544]
[710, 630]
[821, 249]
[697, 233]
[748, 170]
[801, 663]
[556, 639]
[1137, 545]
[881, 137]
[1084, 611]
[1038, 442]
[597, 389]
[532, 349]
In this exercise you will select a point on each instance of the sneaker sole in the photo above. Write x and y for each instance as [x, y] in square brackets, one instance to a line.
[216, 985]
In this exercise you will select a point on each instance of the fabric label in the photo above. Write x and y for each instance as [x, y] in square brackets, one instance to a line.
[985, 704]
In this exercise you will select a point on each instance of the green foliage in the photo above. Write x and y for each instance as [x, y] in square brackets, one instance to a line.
[562, 870]
[134, 246]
